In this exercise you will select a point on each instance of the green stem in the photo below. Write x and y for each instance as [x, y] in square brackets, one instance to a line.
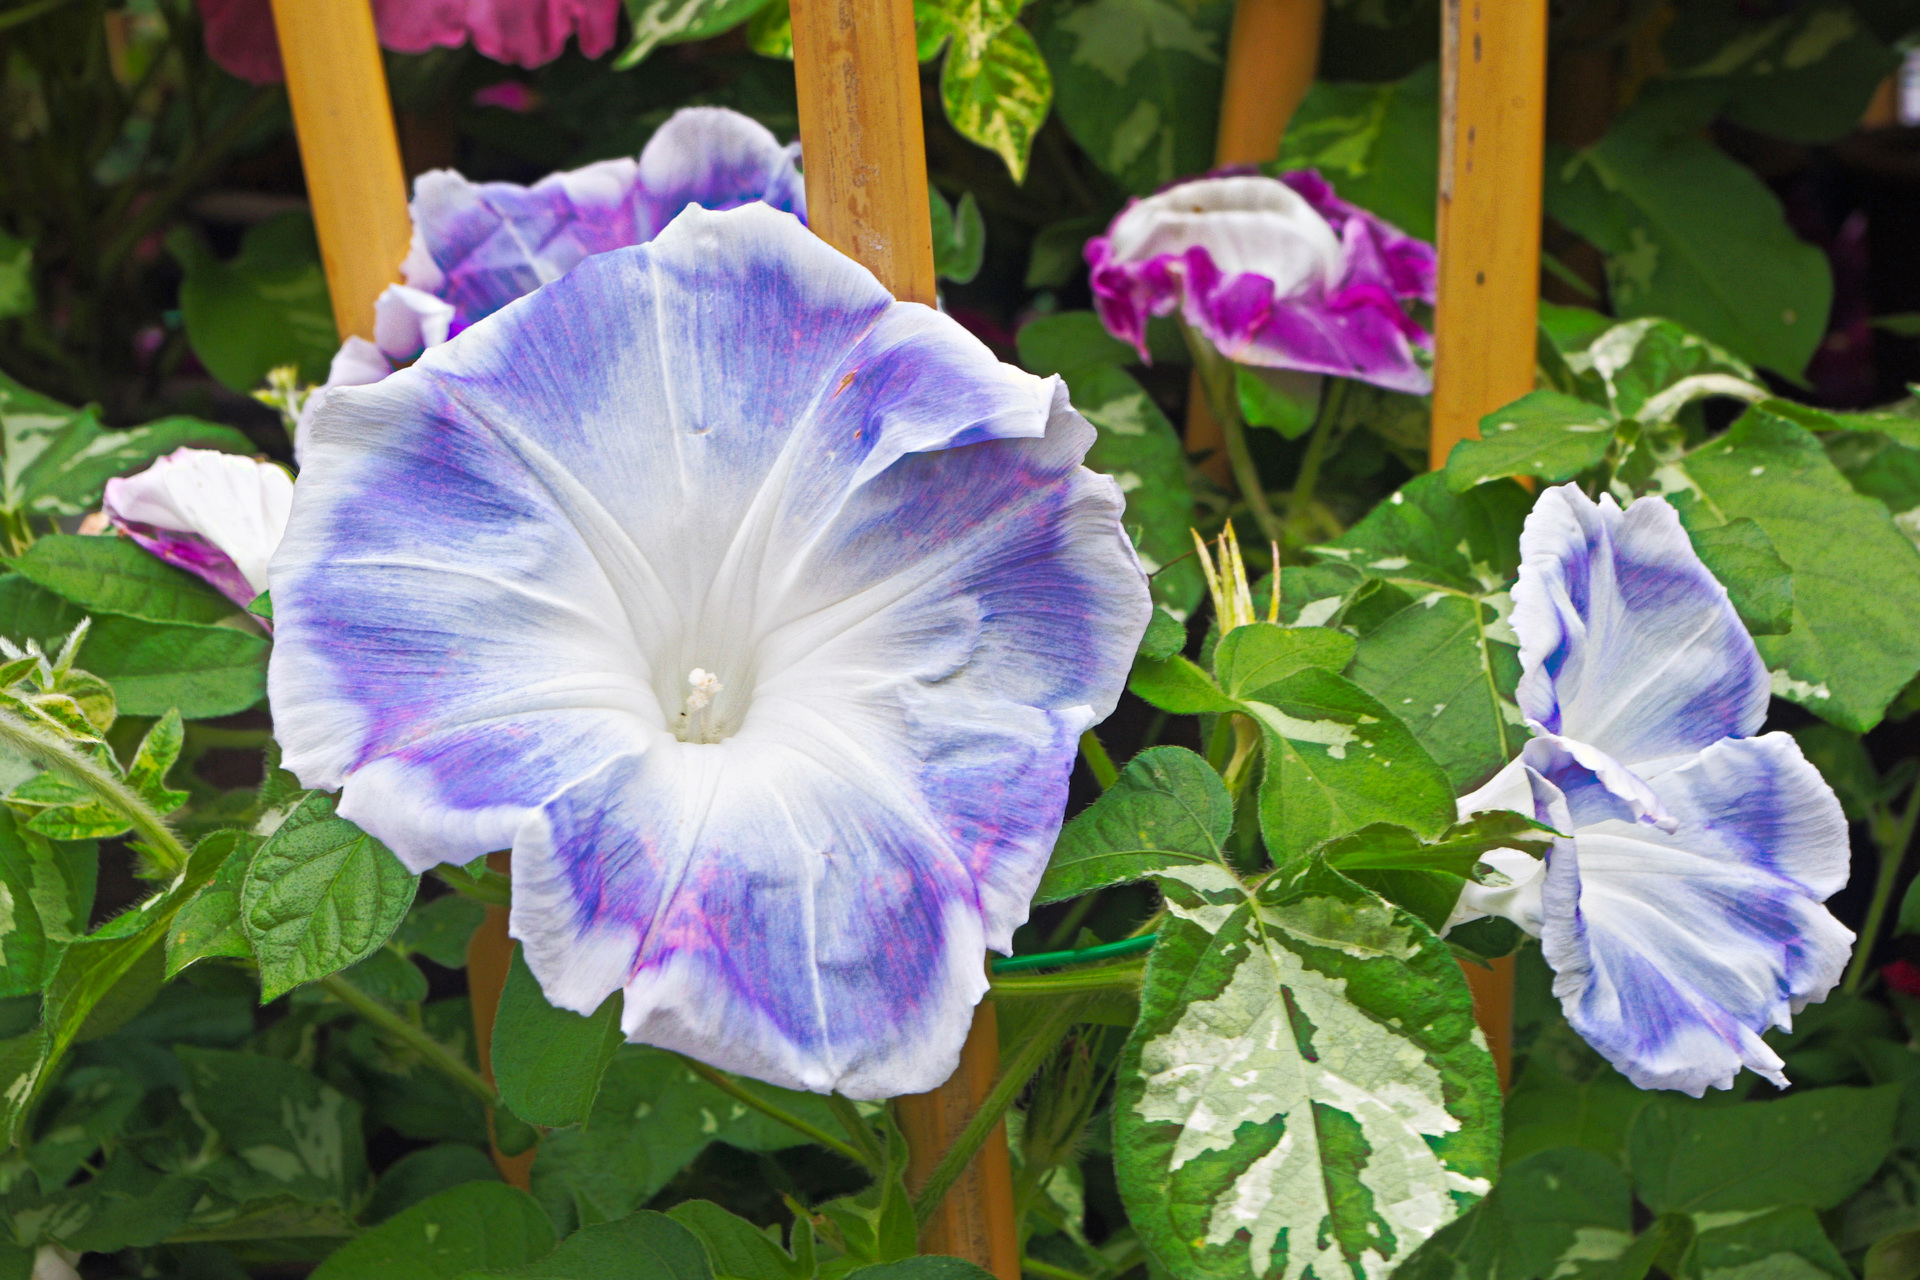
[858, 1129]
[1098, 760]
[1216, 375]
[489, 888]
[1085, 955]
[1332, 401]
[436, 1054]
[773, 1111]
[1034, 1266]
[1105, 977]
[1892, 855]
[82, 770]
[1013, 1078]
[1069, 926]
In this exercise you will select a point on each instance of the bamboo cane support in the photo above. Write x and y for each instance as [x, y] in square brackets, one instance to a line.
[351, 154]
[338, 88]
[859, 84]
[1272, 54]
[1492, 141]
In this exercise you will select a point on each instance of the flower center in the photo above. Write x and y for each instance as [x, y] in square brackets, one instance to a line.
[699, 719]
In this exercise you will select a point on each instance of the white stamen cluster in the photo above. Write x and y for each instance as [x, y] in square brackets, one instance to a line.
[705, 685]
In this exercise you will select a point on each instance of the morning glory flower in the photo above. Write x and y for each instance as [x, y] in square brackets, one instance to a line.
[758, 613]
[1278, 272]
[1680, 910]
[478, 246]
[219, 516]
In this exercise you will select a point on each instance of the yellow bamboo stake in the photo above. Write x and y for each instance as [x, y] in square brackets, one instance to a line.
[1272, 54]
[344, 120]
[351, 154]
[858, 76]
[1492, 141]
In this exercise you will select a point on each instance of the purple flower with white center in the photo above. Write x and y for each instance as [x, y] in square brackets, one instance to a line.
[219, 516]
[1681, 908]
[478, 246]
[758, 613]
[1278, 272]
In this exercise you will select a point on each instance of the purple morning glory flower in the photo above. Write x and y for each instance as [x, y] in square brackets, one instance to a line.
[1681, 909]
[1278, 272]
[478, 246]
[758, 613]
[219, 516]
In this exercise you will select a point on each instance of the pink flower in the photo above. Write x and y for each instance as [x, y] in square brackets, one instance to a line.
[240, 34]
[1278, 272]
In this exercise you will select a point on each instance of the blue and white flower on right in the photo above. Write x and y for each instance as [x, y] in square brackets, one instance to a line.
[1681, 909]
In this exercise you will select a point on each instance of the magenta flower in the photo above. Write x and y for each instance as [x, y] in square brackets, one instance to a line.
[1277, 272]
[219, 516]
[240, 33]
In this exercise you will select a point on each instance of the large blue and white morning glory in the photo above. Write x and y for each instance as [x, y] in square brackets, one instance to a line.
[1681, 911]
[758, 613]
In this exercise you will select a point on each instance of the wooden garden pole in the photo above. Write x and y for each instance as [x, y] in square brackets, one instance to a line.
[348, 148]
[351, 154]
[1493, 91]
[866, 166]
[1272, 54]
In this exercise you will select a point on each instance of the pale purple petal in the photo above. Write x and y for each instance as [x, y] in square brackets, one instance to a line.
[406, 321]
[1675, 952]
[1276, 272]
[1597, 786]
[1627, 643]
[219, 516]
[726, 452]
[717, 159]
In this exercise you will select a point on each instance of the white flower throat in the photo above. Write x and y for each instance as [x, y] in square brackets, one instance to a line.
[696, 721]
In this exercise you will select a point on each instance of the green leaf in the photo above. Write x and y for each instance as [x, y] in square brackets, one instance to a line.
[1253, 658]
[1057, 255]
[46, 894]
[268, 306]
[651, 1118]
[1378, 144]
[1559, 1213]
[925, 1267]
[56, 460]
[1759, 584]
[738, 1249]
[1894, 1257]
[1138, 82]
[1284, 399]
[16, 277]
[1545, 435]
[959, 236]
[1338, 761]
[548, 1062]
[640, 1246]
[1175, 684]
[1775, 1245]
[291, 1136]
[114, 575]
[1168, 807]
[770, 30]
[422, 1174]
[1305, 1089]
[1630, 364]
[1552, 1107]
[1688, 1158]
[441, 929]
[1385, 847]
[1139, 448]
[1163, 637]
[1070, 340]
[1805, 75]
[1856, 577]
[209, 924]
[658, 22]
[997, 92]
[126, 1204]
[320, 895]
[1682, 224]
[477, 1226]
